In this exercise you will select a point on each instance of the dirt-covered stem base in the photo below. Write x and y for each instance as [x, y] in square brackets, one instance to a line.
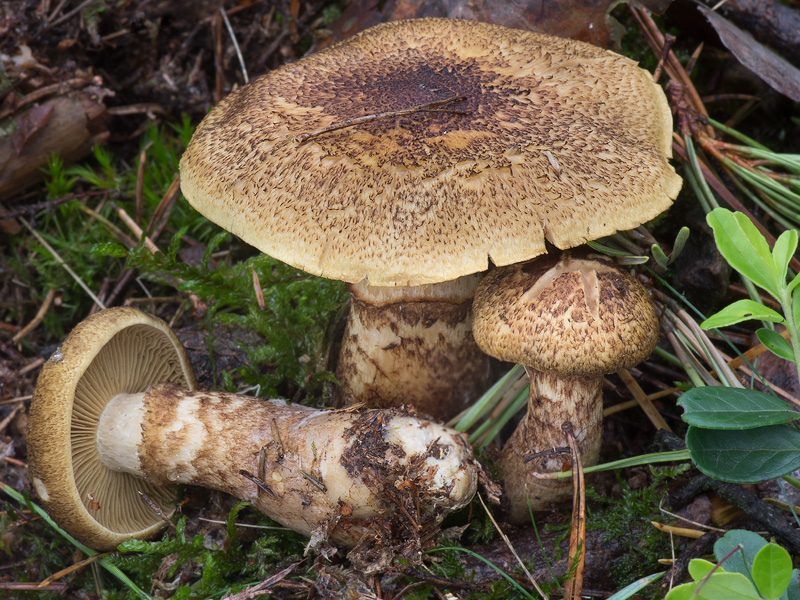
[553, 399]
[309, 469]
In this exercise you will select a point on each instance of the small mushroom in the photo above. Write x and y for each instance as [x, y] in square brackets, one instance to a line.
[569, 318]
[115, 415]
[414, 153]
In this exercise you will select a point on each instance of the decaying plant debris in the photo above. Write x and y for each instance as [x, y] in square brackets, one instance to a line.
[142, 64]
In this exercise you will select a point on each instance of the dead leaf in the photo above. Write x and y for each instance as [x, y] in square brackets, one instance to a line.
[585, 20]
[779, 73]
[29, 125]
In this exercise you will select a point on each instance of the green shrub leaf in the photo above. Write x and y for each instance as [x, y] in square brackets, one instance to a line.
[716, 407]
[741, 561]
[782, 252]
[772, 571]
[682, 592]
[741, 310]
[745, 456]
[775, 343]
[794, 283]
[730, 586]
[699, 568]
[745, 249]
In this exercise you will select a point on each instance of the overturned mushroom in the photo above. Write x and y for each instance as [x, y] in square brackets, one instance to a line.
[569, 318]
[115, 415]
[414, 153]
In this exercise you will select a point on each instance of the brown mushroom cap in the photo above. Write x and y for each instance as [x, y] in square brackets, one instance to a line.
[571, 315]
[115, 351]
[521, 137]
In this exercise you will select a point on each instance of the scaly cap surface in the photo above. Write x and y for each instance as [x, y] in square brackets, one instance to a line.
[515, 137]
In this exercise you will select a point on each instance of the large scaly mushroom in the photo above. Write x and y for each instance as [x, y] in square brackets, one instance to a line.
[406, 158]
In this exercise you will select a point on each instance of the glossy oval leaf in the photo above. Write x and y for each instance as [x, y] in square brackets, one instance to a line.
[741, 310]
[717, 407]
[740, 561]
[730, 586]
[794, 283]
[783, 251]
[743, 246]
[772, 571]
[793, 591]
[745, 456]
[699, 568]
[775, 343]
[682, 592]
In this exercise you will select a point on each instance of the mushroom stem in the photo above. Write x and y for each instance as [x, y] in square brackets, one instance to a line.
[553, 400]
[304, 467]
[413, 345]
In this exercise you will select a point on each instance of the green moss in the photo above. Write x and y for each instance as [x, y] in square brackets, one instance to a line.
[627, 520]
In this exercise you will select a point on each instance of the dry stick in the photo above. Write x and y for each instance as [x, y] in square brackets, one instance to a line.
[161, 214]
[136, 109]
[216, 32]
[682, 531]
[693, 60]
[60, 261]
[632, 403]
[121, 236]
[19, 399]
[235, 44]
[259, 292]
[669, 41]
[30, 209]
[577, 535]
[140, 184]
[155, 508]
[134, 227]
[137, 231]
[421, 108]
[10, 417]
[511, 547]
[55, 11]
[71, 569]
[48, 300]
[265, 586]
[641, 398]
[672, 65]
[67, 16]
[31, 366]
[151, 300]
[21, 586]
[46, 91]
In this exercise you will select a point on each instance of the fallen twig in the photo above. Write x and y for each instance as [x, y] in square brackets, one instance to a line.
[38, 318]
[577, 535]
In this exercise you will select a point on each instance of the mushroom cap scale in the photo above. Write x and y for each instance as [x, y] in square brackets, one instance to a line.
[112, 352]
[572, 314]
[448, 143]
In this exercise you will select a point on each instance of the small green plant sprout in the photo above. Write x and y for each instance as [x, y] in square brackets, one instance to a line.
[663, 259]
[747, 251]
[743, 435]
[755, 569]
